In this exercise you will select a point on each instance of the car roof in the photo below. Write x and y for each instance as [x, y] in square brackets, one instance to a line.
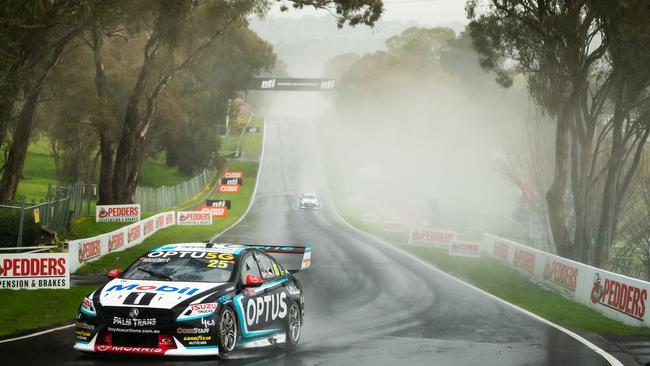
[204, 247]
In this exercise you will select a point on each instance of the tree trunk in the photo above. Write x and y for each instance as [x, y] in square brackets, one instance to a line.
[557, 193]
[106, 168]
[22, 132]
[18, 148]
[125, 157]
[103, 127]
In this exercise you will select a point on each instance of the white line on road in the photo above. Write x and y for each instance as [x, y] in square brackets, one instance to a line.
[608, 357]
[37, 333]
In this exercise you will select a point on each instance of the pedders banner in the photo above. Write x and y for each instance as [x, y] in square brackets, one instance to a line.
[614, 295]
[117, 213]
[87, 250]
[34, 271]
[434, 237]
[393, 226]
[193, 218]
[465, 249]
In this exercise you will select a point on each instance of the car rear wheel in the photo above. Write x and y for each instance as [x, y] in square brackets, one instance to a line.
[227, 330]
[294, 324]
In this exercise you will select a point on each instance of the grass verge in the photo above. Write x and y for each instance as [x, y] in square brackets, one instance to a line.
[176, 234]
[30, 309]
[39, 172]
[492, 276]
[21, 306]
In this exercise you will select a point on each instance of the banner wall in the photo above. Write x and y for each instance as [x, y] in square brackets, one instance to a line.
[614, 295]
[90, 249]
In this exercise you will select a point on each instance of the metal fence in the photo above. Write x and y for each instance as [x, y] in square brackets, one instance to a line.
[157, 199]
[21, 221]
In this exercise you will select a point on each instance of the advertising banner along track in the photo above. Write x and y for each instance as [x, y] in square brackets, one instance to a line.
[614, 295]
[90, 249]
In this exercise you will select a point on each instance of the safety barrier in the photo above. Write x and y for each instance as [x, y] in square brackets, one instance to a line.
[87, 250]
[157, 199]
[614, 295]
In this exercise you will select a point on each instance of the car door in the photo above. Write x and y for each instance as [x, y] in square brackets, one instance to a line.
[273, 293]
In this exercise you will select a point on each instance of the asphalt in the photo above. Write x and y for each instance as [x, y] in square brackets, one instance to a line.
[366, 303]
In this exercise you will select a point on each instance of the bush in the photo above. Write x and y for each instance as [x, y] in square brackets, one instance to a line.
[9, 224]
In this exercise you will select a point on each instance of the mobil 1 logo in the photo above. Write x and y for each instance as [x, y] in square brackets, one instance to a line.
[231, 181]
[218, 203]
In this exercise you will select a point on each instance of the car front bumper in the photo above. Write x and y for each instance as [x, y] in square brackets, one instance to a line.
[174, 349]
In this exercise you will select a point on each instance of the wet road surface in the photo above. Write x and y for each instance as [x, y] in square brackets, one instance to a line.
[366, 303]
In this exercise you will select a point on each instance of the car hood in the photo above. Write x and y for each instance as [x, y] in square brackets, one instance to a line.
[156, 294]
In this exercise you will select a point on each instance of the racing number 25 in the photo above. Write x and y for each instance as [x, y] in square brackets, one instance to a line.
[215, 263]
[219, 260]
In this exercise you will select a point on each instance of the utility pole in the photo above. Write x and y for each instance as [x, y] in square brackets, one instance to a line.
[228, 118]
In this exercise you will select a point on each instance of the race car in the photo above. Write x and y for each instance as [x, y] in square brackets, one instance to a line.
[197, 299]
[309, 201]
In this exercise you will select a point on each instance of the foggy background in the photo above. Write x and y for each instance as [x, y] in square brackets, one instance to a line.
[413, 147]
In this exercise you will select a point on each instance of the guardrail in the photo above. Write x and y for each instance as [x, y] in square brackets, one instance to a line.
[614, 295]
[157, 199]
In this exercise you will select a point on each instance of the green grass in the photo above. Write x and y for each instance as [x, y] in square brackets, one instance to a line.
[30, 309]
[155, 173]
[176, 234]
[228, 144]
[252, 143]
[23, 309]
[493, 276]
[38, 171]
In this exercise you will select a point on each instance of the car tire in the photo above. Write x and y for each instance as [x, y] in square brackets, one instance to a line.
[227, 330]
[294, 324]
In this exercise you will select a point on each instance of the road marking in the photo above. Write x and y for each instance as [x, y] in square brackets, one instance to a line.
[257, 181]
[608, 357]
[37, 333]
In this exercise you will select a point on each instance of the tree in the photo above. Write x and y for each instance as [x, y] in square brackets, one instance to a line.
[574, 54]
[39, 33]
[210, 20]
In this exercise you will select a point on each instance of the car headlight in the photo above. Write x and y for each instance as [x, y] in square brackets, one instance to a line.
[197, 311]
[88, 307]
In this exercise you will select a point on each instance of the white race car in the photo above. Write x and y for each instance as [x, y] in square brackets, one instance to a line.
[309, 201]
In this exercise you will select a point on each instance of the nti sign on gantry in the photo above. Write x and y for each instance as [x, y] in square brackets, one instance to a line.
[295, 84]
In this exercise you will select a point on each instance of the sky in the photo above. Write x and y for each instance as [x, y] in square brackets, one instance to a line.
[425, 12]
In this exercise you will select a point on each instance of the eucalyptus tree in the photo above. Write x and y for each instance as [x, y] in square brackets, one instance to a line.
[582, 60]
[35, 34]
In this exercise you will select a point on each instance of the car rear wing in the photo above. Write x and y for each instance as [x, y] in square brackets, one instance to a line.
[293, 258]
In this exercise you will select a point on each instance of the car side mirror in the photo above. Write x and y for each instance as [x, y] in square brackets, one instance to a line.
[116, 273]
[253, 281]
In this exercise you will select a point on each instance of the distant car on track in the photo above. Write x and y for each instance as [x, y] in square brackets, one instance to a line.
[309, 201]
[197, 299]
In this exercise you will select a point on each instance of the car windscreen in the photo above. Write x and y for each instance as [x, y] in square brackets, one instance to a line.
[199, 266]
